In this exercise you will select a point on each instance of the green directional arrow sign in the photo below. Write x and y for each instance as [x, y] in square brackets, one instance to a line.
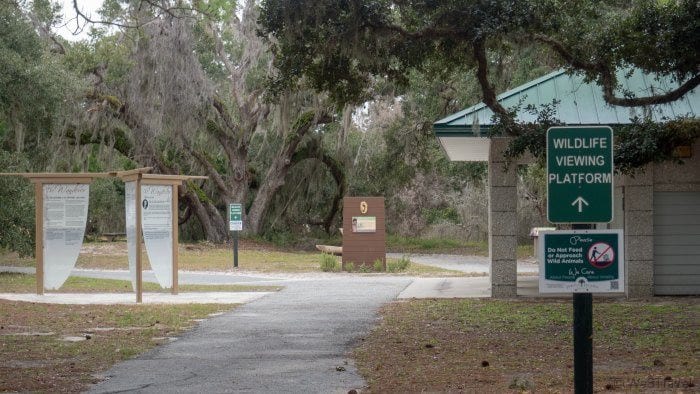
[235, 219]
[580, 174]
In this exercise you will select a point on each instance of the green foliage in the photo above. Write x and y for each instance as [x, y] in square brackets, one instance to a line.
[444, 245]
[329, 263]
[531, 136]
[17, 207]
[641, 142]
[443, 214]
[392, 38]
[370, 37]
[398, 265]
[33, 85]
[106, 209]
[349, 267]
[645, 141]
[378, 265]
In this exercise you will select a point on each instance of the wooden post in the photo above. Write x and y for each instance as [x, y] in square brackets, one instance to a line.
[175, 210]
[139, 274]
[39, 235]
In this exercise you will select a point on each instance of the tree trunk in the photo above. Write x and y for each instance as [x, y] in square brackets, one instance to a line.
[276, 174]
[212, 223]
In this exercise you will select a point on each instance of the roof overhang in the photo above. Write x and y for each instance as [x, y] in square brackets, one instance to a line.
[463, 146]
[463, 135]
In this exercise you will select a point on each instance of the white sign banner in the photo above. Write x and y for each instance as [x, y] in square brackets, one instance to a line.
[130, 212]
[157, 225]
[65, 214]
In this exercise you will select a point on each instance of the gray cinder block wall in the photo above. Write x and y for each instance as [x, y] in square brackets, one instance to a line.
[639, 232]
[503, 199]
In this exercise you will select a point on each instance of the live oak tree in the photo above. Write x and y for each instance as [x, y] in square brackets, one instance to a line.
[186, 95]
[339, 46]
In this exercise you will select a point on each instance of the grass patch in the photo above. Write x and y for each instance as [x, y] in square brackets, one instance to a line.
[26, 283]
[401, 244]
[207, 257]
[36, 358]
[399, 265]
[497, 346]
[329, 263]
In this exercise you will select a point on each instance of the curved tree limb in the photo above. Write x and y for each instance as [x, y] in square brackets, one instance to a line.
[314, 151]
[608, 80]
[488, 91]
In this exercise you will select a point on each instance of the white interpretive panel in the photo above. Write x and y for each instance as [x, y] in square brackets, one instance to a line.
[130, 211]
[157, 225]
[65, 214]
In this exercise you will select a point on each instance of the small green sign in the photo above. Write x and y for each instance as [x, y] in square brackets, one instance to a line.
[589, 261]
[580, 174]
[235, 217]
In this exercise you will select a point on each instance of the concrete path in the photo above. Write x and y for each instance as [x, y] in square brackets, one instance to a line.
[470, 287]
[295, 340]
[469, 264]
[130, 298]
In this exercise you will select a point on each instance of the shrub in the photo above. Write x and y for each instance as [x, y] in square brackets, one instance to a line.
[349, 267]
[398, 265]
[365, 269]
[328, 262]
[378, 265]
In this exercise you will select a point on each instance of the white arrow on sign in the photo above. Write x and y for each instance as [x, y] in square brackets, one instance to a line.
[580, 201]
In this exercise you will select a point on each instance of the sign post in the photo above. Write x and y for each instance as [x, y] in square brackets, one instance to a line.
[580, 191]
[235, 224]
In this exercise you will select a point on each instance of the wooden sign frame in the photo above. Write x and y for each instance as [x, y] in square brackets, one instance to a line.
[141, 176]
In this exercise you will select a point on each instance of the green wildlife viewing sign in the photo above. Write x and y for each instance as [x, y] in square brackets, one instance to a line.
[582, 261]
[235, 217]
[580, 174]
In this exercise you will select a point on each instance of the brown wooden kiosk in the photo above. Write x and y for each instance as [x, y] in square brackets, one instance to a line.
[364, 231]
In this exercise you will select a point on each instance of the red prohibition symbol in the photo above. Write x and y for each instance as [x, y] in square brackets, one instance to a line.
[601, 255]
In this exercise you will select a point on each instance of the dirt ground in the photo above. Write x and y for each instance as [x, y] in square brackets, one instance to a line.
[63, 348]
[496, 346]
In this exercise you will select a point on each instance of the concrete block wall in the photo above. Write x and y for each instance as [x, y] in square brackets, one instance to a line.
[639, 232]
[502, 221]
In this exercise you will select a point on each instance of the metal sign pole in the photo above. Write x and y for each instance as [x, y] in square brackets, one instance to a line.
[235, 249]
[235, 220]
[583, 336]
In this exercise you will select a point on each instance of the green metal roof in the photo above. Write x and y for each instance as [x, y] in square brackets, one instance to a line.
[579, 103]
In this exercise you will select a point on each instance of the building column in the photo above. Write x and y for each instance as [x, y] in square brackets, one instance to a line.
[639, 233]
[502, 221]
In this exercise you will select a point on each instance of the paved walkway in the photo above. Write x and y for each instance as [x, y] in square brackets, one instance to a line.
[218, 297]
[295, 340]
[469, 264]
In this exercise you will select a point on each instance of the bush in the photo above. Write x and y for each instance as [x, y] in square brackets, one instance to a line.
[398, 265]
[328, 263]
[378, 265]
[349, 267]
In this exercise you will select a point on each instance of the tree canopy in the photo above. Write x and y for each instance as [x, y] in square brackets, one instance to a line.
[339, 45]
